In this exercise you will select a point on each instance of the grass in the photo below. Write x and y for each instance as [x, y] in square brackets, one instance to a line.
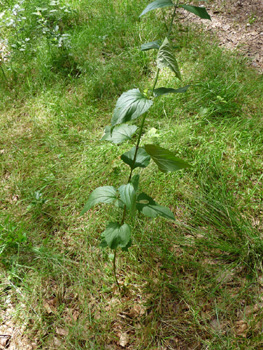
[192, 284]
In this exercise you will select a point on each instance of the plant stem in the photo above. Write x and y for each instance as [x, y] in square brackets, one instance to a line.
[172, 19]
[165, 22]
[143, 120]
[156, 79]
[137, 146]
[123, 214]
[129, 180]
[133, 162]
[3, 72]
[114, 270]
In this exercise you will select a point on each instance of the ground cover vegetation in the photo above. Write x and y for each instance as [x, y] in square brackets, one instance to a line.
[192, 283]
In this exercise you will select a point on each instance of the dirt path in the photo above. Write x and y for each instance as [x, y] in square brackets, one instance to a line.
[238, 25]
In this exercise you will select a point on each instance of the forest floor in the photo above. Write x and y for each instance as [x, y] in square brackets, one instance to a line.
[196, 283]
[238, 24]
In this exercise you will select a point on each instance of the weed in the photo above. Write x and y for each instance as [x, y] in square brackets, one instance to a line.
[11, 237]
[131, 105]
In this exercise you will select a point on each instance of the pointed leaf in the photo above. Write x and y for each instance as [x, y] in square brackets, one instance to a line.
[156, 5]
[142, 158]
[165, 159]
[199, 11]
[119, 134]
[165, 58]
[130, 105]
[164, 91]
[116, 236]
[150, 208]
[152, 45]
[104, 194]
[128, 195]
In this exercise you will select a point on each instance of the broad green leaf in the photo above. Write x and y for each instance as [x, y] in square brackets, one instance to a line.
[150, 208]
[135, 181]
[165, 159]
[163, 91]
[199, 11]
[119, 134]
[152, 45]
[130, 105]
[142, 158]
[104, 194]
[156, 5]
[128, 195]
[116, 236]
[166, 58]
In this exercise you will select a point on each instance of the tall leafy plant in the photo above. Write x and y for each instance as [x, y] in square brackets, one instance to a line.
[130, 106]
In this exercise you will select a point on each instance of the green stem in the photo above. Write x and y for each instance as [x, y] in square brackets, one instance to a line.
[156, 79]
[165, 22]
[114, 270]
[3, 72]
[172, 19]
[135, 155]
[137, 146]
[133, 163]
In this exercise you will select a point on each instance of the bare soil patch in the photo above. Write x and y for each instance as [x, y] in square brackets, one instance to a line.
[238, 25]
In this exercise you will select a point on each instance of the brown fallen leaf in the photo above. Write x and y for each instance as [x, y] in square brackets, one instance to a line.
[62, 331]
[241, 328]
[75, 315]
[137, 310]
[215, 324]
[251, 309]
[72, 315]
[124, 339]
[57, 342]
[50, 306]
[5, 340]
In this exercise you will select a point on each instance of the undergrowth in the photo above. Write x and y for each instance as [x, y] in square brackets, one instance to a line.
[195, 283]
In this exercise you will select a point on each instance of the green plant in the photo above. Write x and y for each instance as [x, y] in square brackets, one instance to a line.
[252, 19]
[131, 105]
[11, 237]
[27, 24]
[2, 59]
